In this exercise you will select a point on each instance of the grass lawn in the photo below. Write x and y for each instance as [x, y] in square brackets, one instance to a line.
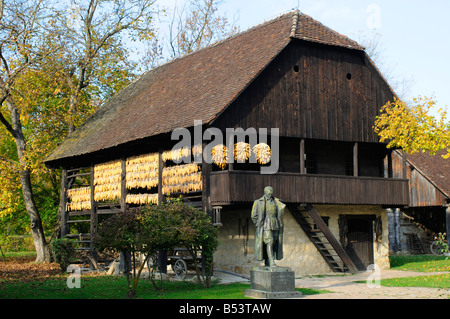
[435, 281]
[21, 278]
[108, 287]
[420, 263]
[423, 263]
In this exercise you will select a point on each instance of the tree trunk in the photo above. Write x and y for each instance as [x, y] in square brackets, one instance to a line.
[37, 231]
[73, 106]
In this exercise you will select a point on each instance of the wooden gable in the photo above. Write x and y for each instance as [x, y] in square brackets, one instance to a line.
[313, 91]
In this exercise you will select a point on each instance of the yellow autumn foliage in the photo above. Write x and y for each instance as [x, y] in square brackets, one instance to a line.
[413, 128]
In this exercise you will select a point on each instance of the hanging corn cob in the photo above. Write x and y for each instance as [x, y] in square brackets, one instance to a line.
[79, 194]
[180, 170]
[140, 159]
[107, 180]
[78, 206]
[142, 171]
[197, 150]
[262, 152]
[219, 154]
[241, 152]
[80, 199]
[182, 179]
[176, 154]
[142, 199]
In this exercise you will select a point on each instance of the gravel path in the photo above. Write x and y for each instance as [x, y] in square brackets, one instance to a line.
[344, 286]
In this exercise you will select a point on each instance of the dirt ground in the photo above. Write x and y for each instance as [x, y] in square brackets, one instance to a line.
[24, 269]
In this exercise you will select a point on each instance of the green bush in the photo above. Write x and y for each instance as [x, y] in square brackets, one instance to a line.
[148, 229]
[16, 243]
[64, 252]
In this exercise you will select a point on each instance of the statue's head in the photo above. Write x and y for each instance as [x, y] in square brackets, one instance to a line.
[268, 192]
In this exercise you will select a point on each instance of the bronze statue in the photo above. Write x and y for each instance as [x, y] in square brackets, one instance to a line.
[267, 214]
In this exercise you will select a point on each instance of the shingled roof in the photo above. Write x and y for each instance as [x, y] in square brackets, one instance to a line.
[197, 86]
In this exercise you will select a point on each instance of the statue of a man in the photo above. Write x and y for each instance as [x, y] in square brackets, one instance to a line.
[267, 214]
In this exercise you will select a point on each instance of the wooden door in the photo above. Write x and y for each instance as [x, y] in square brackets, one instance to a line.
[360, 240]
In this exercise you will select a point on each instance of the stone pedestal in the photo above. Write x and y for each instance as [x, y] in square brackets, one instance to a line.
[272, 283]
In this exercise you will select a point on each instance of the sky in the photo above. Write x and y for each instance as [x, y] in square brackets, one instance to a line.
[413, 36]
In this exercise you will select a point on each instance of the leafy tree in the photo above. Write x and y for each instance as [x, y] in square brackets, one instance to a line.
[136, 231]
[198, 235]
[55, 71]
[197, 26]
[151, 228]
[89, 36]
[413, 128]
[20, 49]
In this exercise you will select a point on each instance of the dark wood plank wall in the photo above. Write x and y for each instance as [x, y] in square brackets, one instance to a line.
[244, 186]
[422, 192]
[318, 101]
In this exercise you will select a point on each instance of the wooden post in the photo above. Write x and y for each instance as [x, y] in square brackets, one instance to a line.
[206, 195]
[160, 179]
[404, 174]
[162, 254]
[94, 219]
[388, 165]
[206, 187]
[355, 159]
[302, 156]
[230, 149]
[447, 220]
[123, 185]
[63, 204]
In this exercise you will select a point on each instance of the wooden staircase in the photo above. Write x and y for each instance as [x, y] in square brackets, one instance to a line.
[415, 244]
[322, 238]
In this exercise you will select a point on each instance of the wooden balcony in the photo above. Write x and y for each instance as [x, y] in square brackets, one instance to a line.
[229, 187]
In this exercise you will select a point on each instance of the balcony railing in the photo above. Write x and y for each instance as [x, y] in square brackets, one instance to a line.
[229, 187]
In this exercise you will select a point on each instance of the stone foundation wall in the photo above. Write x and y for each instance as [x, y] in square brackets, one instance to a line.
[237, 236]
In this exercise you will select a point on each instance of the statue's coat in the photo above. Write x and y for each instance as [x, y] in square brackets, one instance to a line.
[258, 216]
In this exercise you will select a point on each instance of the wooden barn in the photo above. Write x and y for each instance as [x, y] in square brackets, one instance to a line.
[415, 226]
[312, 95]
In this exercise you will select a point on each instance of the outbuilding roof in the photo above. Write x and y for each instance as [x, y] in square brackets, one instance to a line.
[434, 168]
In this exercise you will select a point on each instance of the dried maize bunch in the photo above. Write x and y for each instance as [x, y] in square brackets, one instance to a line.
[219, 154]
[142, 199]
[142, 183]
[262, 152]
[101, 196]
[107, 169]
[182, 179]
[107, 180]
[78, 206]
[142, 171]
[79, 194]
[176, 154]
[177, 170]
[197, 150]
[140, 159]
[241, 152]
[80, 199]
